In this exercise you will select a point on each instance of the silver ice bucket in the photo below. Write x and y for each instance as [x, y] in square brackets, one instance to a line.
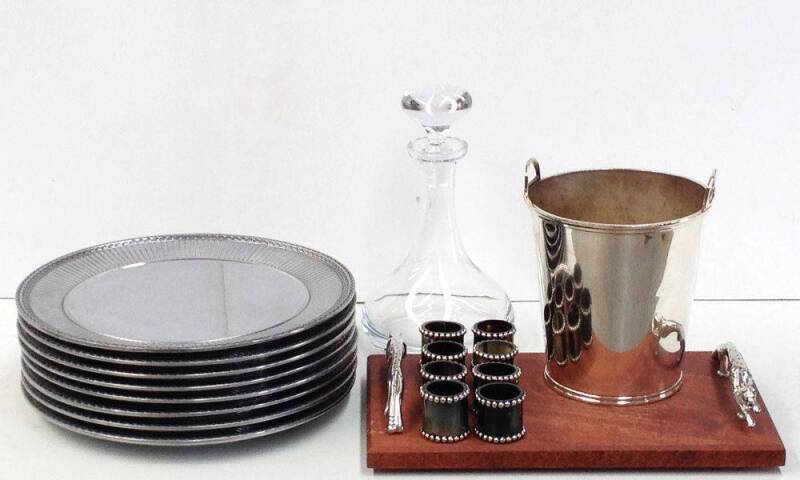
[618, 256]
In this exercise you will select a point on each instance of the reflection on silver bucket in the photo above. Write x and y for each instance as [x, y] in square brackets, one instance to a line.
[618, 256]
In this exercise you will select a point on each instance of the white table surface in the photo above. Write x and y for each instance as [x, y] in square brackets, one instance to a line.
[334, 446]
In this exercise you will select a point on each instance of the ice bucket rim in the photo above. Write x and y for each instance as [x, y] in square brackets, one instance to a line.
[618, 228]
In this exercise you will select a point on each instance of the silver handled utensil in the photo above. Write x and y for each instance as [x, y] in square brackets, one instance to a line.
[395, 351]
[743, 387]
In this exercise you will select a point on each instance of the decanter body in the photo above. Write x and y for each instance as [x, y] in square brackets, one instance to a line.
[437, 280]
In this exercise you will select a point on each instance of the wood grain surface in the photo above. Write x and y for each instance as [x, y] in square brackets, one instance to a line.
[696, 428]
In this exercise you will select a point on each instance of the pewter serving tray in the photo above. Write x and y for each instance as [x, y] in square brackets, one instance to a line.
[272, 352]
[213, 421]
[232, 380]
[268, 390]
[184, 293]
[89, 403]
[276, 367]
[186, 438]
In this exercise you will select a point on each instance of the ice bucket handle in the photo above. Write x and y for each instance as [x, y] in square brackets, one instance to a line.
[711, 188]
[528, 180]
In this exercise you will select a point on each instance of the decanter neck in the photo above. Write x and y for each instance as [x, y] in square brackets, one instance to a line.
[439, 236]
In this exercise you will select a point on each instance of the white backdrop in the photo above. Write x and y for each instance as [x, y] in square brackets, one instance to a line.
[282, 119]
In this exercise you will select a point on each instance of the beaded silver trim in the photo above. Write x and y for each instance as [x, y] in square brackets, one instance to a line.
[435, 356]
[427, 396]
[493, 439]
[494, 335]
[442, 335]
[444, 439]
[432, 377]
[496, 357]
[500, 404]
[513, 378]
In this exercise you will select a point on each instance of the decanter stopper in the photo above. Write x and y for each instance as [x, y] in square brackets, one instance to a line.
[436, 108]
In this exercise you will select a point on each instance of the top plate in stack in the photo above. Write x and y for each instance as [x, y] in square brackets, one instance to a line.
[187, 339]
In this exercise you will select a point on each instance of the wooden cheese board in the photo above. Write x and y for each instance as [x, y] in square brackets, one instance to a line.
[696, 428]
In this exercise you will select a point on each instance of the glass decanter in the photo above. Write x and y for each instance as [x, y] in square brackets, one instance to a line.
[437, 280]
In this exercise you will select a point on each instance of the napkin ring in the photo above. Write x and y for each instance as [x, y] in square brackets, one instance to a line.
[444, 350]
[445, 418]
[443, 370]
[436, 330]
[493, 330]
[490, 372]
[494, 351]
[500, 410]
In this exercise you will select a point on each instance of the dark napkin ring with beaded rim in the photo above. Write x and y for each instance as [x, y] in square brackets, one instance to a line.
[500, 412]
[494, 351]
[436, 330]
[493, 330]
[445, 417]
[490, 372]
[443, 370]
[444, 350]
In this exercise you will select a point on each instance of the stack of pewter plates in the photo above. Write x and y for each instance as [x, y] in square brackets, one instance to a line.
[187, 339]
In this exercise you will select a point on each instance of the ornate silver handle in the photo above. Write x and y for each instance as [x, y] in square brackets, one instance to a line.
[663, 328]
[743, 387]
[711, 190]
[395, 351]
[532, 163]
